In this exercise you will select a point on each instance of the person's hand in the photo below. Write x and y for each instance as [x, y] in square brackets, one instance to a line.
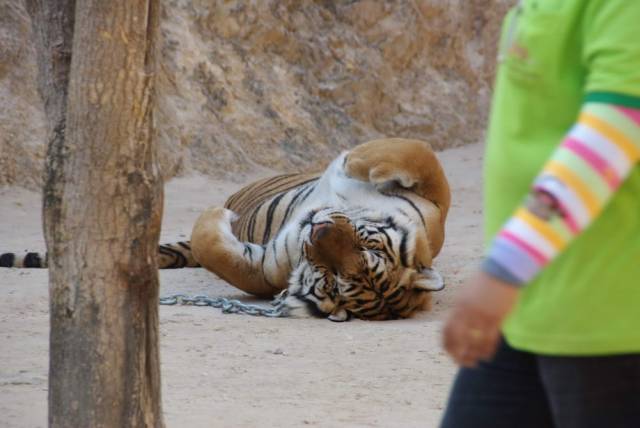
[472, 330]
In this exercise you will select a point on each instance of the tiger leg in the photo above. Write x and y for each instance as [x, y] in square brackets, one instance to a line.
[413, 165]
[410, 163]
[241, 264]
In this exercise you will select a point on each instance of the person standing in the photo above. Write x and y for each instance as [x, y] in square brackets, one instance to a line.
[548, 331]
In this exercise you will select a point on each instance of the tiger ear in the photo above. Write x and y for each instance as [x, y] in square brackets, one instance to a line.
[339, 315]
[429, 280]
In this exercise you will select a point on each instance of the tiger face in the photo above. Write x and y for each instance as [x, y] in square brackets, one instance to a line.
[358, 265]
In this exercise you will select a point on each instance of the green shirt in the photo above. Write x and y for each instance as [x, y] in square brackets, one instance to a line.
[557, 54]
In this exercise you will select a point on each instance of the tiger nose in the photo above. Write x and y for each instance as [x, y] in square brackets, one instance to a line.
[319, 230]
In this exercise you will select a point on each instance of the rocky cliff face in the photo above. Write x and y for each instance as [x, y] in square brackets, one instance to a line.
[22, 126]
[247, 85]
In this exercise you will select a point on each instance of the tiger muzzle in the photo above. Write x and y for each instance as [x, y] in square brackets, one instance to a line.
[335, 246]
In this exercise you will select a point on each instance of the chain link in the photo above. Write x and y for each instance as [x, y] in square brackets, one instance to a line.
[231, 306]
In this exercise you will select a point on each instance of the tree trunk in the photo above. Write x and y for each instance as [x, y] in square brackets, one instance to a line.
[102, 211]
[52, 22]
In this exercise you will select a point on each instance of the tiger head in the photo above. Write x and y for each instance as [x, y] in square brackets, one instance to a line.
[360, 266]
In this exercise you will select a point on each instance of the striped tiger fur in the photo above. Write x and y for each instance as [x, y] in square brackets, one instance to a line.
[170, 256]
[26, 260]
[357, 240]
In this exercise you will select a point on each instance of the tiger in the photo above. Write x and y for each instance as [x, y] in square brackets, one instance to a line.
[356, 240]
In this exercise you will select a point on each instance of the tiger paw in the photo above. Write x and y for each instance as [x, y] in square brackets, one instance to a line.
[388, 161]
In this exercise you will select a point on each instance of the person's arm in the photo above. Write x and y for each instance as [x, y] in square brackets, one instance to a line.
[571, 191]
[610, 116]
[597, 155]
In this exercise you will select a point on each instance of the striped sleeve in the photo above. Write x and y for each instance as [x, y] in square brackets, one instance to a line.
[575, 184]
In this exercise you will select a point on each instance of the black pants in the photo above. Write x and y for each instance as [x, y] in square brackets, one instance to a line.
[521, 390]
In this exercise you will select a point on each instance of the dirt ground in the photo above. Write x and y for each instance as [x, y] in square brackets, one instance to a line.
[241, 371]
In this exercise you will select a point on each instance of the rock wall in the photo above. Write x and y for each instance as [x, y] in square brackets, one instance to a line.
[22, 126]
[248, 86]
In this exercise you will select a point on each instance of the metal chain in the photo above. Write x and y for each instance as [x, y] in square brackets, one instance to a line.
[231, 306]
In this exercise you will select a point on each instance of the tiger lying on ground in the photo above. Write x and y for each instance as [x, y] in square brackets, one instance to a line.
[355, 240]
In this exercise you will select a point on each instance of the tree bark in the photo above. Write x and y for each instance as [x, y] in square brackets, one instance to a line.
[102, 210]
[52, 22]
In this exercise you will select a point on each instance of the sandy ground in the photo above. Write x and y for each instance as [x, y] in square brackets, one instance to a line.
[240, 371]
